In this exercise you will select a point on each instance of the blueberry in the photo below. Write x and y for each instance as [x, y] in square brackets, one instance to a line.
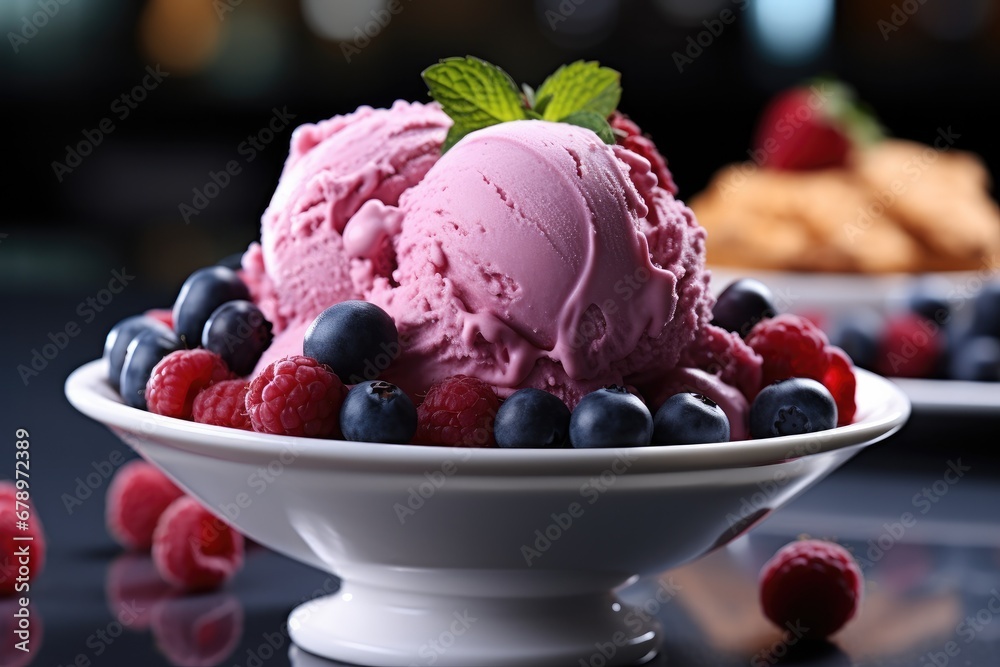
[116, 344]
[688, 419]
[858, 333]
[986, 310]
[789, 407]
[357, 339]
[239, 333]
[377, 411]
[532, 418]
[977, 359]
[743, 303]
[925, 299]
[204, 291]
[144, 352]
[610, 417]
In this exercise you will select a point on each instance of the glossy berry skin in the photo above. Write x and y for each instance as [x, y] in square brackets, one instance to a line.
[116, 344]
[790, 407]
[532, 418]
[688, 419]
[377, 411]
[144, 351]
[976, 359]
[238, 332]
[357, 339]
[743, 303]
[204, 291]
[610, 417]
[812, 585]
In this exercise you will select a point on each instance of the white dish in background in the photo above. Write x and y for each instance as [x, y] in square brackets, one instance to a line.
[453, 570]
[835, 293]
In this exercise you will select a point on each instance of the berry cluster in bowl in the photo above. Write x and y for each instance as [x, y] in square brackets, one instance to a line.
[197, 362]
[936, 334]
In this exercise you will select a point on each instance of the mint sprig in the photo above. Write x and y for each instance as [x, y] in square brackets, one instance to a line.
[478, 94]
[580, 86]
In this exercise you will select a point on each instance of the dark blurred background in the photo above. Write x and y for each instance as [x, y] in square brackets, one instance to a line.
[696, 74]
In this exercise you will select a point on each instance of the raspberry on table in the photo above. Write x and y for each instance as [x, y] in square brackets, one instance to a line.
[132, 579]
[223, 404]
[792, 346]
[193, 549]
[813, 583]
[296, 396]
[9, 529]
[137, 496]
[458, 411]
[178, 378]
[198, 630]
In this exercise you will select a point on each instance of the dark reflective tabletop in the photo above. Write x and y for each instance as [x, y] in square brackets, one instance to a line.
[928, 541]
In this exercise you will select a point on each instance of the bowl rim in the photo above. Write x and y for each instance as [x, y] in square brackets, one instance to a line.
[88, 391]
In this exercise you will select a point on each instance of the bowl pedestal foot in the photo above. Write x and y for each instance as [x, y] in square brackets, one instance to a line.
[385, 628]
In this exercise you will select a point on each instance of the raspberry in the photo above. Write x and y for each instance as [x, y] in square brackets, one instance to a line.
[198, 630]
[910, 347]
[725, 354]
[296, 396]
[792, 346]
[635, 141]
[132, 580]
[812, 583]
[9, 520]
[194, 550]
[458, 411]
[223, 404]
[178, 378]
[840, 381]
[137, 496]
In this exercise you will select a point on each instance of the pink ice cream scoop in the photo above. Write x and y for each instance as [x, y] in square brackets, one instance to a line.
[533, 254]
[334, 167]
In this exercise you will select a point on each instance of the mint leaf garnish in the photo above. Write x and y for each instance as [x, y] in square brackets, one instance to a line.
[477, 94]
[592, 121]
[581, 86]
[474, 93]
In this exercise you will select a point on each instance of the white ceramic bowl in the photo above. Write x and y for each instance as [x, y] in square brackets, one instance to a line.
[462, 557]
